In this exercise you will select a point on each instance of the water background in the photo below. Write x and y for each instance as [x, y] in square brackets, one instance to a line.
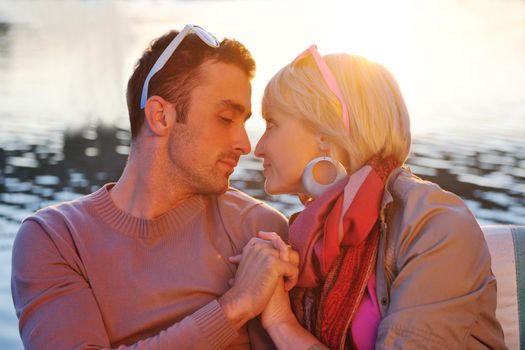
[64, 66]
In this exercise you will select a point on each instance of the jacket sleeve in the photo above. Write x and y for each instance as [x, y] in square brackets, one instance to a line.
[57, 309]
[442, 285]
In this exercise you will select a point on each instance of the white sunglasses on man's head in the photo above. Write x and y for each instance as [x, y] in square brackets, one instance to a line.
[205, 36]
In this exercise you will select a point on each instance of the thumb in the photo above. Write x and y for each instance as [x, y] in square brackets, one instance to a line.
[290, 272]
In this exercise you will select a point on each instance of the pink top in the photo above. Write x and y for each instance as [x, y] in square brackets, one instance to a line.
[367, 318]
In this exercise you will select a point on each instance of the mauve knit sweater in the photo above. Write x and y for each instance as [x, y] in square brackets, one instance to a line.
[87, 275]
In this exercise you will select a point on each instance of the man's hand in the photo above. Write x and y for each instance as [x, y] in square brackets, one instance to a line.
[286, 253]
[260, 270]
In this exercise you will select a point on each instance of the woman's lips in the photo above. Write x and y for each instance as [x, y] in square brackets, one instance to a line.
[266, 166]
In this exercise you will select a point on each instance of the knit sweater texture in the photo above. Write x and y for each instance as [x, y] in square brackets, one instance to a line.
[87, 275]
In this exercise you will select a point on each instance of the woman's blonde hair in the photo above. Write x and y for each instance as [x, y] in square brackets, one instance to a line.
[378, 117]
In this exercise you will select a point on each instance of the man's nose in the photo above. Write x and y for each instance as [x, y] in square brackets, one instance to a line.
[242, 142]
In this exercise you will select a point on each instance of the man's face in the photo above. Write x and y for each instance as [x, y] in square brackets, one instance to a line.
[206, 148]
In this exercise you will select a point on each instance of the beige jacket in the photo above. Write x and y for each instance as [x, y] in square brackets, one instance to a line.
[435, 286]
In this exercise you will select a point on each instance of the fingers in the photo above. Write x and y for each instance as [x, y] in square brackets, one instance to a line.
[277, 242]
[293, 257]
[257, 243]
[284, 259]
[236, 259]
[286, 253]
[254, 245]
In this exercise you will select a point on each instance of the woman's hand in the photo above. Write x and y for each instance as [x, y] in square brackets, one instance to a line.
[278, 310]
[282, 325]
[277, 317]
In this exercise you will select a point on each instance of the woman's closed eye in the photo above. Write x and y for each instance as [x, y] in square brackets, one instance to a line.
[270, 124]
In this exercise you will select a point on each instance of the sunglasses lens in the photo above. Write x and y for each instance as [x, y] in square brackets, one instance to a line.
[205, 36]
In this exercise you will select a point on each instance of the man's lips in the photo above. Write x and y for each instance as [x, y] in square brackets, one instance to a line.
[230, 162]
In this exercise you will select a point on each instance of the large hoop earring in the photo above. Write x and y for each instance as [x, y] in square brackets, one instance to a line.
[313, 188]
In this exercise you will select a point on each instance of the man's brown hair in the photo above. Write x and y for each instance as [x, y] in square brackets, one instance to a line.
[181, 74]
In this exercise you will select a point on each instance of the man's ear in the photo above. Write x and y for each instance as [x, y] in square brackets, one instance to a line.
[159, 115]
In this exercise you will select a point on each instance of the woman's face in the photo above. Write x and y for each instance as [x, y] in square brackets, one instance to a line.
[286, 147]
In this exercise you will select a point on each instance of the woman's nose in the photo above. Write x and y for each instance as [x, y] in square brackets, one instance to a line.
[259, 148]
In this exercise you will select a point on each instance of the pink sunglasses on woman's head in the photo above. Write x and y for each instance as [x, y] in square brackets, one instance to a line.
[328, 78]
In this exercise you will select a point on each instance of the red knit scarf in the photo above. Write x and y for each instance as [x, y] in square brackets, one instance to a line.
[337, 237]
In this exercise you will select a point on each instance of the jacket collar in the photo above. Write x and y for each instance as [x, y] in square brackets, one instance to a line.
[387, 194]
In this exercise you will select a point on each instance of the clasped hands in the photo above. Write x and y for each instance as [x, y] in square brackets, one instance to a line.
[267, 270]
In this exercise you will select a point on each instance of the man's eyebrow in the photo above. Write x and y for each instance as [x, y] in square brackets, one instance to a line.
[237, 107]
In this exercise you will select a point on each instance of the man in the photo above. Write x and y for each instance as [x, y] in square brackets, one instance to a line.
[143, 263]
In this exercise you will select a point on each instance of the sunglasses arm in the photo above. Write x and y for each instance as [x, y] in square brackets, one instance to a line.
[161, 61]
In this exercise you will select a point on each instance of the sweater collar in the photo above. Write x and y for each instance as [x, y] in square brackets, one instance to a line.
[126, 223]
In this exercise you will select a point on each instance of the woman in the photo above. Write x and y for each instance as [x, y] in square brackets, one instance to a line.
[387, 260]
